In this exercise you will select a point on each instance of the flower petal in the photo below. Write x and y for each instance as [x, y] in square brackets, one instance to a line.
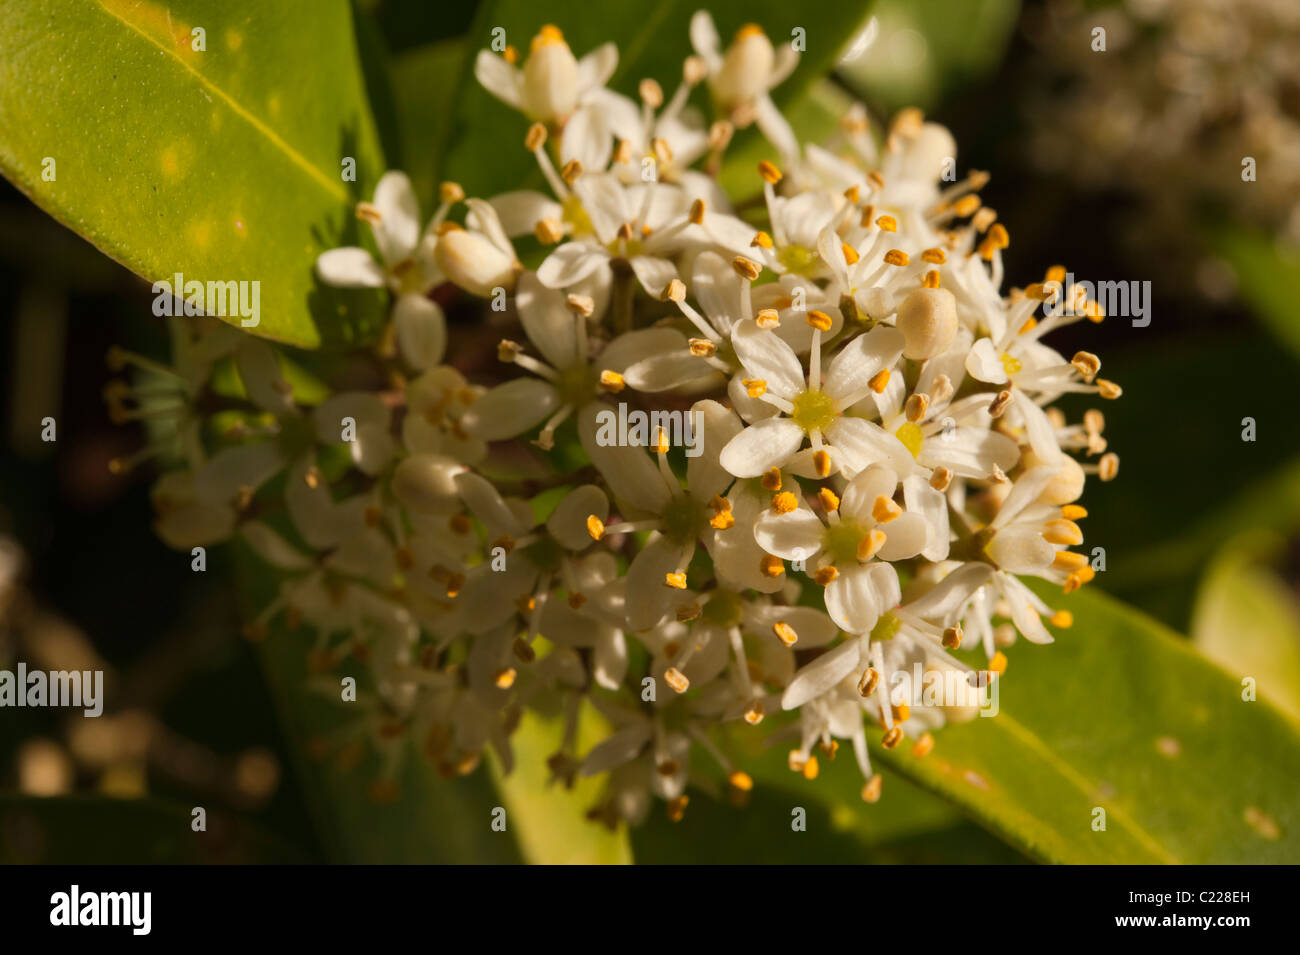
[765, 444]
[822, 674]
[509, 410]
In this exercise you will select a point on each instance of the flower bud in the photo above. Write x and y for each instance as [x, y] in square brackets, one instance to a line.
[550, 77]
[928, 320]
[746, 68]
[1065, 487]
[426, 483]
[471, 261]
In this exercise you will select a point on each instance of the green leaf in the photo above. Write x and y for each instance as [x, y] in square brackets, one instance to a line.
[1248, 620]
[224, 165]
[1268, 278]
[907, 825]
[485, 150]
[548, 821]
[99, 830]
[1123, 715]
[425, 81]
[927, 48]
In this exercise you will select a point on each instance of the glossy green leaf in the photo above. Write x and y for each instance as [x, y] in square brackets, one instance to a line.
[1268, 278]
[1248, 621]
[224, 164]
[485, 146]
[548, 821]
[907, 826]
[926, 48]
[425, 80]
[99, 830]
[1121, 714]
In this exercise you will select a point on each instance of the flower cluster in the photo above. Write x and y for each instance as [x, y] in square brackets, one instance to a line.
[727, 465]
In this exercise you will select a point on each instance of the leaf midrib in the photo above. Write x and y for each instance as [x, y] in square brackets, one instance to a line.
[297, 158]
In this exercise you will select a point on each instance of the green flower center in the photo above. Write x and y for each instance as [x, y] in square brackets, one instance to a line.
[797, 259]
[911, 437]
[683, 519]
[841, 542]
[813, 410]
[576, 216]
[1010, 363]
[723, 609]
[886, 627]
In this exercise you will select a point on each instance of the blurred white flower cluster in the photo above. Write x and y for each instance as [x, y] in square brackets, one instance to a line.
[775, 453]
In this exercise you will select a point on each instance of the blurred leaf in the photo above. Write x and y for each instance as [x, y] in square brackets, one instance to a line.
[908, 825]
[548, 821]
[224, 165]
[485, 151]
[425, 81]
[98, 830]
[1248, 621]
[1268, 278]
[1121, 714]
[926, 48]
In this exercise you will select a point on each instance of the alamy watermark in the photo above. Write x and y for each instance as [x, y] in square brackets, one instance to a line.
[83, 688]
[1128, 299]
[222, 299]
[641, 429]
[945, 687]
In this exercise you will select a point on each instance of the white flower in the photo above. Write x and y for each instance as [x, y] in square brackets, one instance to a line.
[552, 83]
[742, 78]
[810, 406]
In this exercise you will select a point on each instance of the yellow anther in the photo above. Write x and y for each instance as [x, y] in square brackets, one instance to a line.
[507, 350]
[771, 479]
[828, 500]
[884, 510]
[935, 256]
[769, 172]
[676, 679]
[767, 318]
[571, 171]
[1077, 579]
[548, 231]
[1069, 561]
[677, 581]
[754, 713]
[761, 240]
[822, 462]
[819, 320]
[1108, 389]
[510, 55]
[1074, 512]
[612, 381]
[1108, 466]
[872, 788]
[584, 306]
[785, 633]
[879, 381]
[852, 194]
[952, 637]
[675, 291]
[998, 664]
[595, 527]
[887, 224]
[867, 682]
[810, 768]
[504, 678]
[785, 502]
[661, 441]
[740, 781]
[770, 566]
[536, 137]
[826, 575]
[892, 738]
[897, 257]
[870, 544]
[1063, 619]
[966, 205]
[702, 347]
[930, 279]
[923, 746]
[746, 268]
[916, 406]
[850, 254]
[754, 387]
[368, 213]
[941, 478]
[1064, 532]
